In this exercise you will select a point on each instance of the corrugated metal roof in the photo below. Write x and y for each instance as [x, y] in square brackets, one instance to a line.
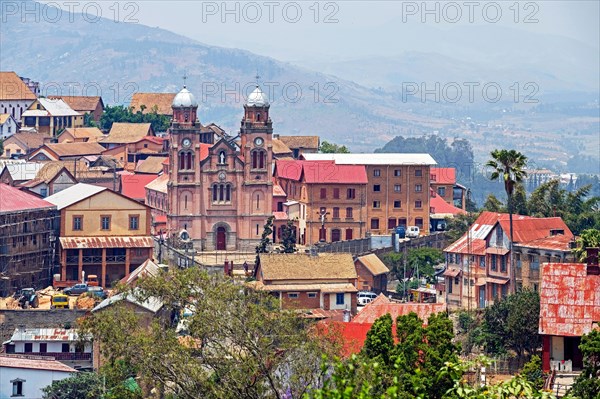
[14, 200]
[148, 268]
[439, 207]
[133, 186]
[44, 334]
[106, 242]
[73, 194]
[325, 287]
[373, 264]
[526, 228]
[16, 362]
[373, 159]
[569, 299]
[151, 304]
[52, 107]
[23, 171]
[321, 172]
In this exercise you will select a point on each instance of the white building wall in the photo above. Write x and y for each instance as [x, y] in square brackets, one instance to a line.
[14, 107]
[35, 380]
[52, 346]
[347, 301]
[8, 128]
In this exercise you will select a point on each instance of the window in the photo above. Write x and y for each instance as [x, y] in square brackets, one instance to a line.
[351, 193]
[494, 291]
[105, 222]
[77, 222]
[222, 193]
[336, 212]
[348, 234]
[375, 223]
[134, 222]
[376, 204]
[450, 285]
[349, 213]
[456, 280]
[402, 222]
[397, 173]
[441, 191]
[65, 348]
[28, 347]
[258, 159]
[336, 193]
[323, 193]
[418, 172]
[391, 223]
[279, 206]
[418, 204]
[17, 387]
[503, 264]
[418, 188]
[434, 177]
[397, 204]
[186, 160]
[397, 188]
[419, 222]
[482, 261]
[312, 294]
[43, 347]
[376, 172]
[339, 298]
[336, 235]
[44, 192]
[494, 266]
[376, 188]
[292, 295]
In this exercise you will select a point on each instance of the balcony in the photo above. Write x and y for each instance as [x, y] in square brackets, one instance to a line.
[60, 355]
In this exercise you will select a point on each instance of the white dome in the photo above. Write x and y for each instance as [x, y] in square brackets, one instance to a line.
[184, 99]
[257, 98]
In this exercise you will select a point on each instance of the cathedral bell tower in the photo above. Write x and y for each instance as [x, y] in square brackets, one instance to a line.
[256, 135]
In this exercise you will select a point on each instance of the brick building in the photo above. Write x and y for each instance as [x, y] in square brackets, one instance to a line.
[372, 273]
[397, 192]
[478, 270]
[27, 234]
[332, 198]
[443, 183]
[569, 308]
[303, 281]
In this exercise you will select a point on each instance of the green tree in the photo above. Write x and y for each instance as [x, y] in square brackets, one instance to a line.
[458, 225]
[79, 386]
[421, 261]
[239, 343]
[587, 385]
[520, 200]
[493, 204]
[120, 113]
[265, 239]
[589, 238]
[532, 371]
[380, 341]
[332, 148]
[288, 237]
[509, 167]
[512, 324]
[1, 146]
[88, 120]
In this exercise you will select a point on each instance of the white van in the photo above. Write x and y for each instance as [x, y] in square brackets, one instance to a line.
[365, 297]
[412, 232]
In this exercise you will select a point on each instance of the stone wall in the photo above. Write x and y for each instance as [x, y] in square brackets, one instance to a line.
[12, 319]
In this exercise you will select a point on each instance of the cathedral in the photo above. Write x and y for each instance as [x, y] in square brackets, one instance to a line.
[220, 188]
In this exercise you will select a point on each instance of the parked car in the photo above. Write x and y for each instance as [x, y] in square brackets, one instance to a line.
[59, 301]
[77, 289]
[96, 292]
[365, 297]
[401, 232]
[413, 232]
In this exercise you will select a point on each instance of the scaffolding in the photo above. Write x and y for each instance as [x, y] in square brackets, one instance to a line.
[27, 249]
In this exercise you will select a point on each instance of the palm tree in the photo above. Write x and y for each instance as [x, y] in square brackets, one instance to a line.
[508, 166]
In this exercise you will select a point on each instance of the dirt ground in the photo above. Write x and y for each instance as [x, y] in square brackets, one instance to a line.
[45, 297]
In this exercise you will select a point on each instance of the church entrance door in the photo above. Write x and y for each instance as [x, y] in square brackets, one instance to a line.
[221, 239]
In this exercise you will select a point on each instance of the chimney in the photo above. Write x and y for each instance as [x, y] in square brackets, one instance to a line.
[593, 269]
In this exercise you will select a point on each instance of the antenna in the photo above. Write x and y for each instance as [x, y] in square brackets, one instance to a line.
[257, 77]
[184, 78]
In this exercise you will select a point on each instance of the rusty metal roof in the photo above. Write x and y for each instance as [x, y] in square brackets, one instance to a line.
[569, 300]
[381, 305]
[106, 242]
[15, 200]
[373, 264]
[18, 362]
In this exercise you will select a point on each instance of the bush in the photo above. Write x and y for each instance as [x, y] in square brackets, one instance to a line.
[532, 371]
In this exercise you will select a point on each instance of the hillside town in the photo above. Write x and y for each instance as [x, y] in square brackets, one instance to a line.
[152, 254]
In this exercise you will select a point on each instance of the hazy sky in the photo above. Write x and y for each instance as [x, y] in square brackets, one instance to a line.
[301, 30]
[215, 22]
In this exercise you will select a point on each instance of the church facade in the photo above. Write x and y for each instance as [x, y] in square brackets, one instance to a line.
[220, 188]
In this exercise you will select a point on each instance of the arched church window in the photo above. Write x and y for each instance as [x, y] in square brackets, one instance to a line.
[186, 160]
[258, 159]
[221, 192]
[185, 201]
[258, 116]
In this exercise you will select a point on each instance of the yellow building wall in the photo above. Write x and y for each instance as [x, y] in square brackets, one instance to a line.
[106, 203]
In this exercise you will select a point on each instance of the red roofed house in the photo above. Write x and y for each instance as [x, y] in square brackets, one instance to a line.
[443, 183]
[478, 264]
[134, 186]
[354, 333]
[439, 210]
[569, 308]
[26, 231]
[332, 197]
[101, 232]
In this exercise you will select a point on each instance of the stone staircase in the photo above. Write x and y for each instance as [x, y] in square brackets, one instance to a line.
[562, 382]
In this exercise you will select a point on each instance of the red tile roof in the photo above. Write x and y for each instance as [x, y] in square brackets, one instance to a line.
[280, 215]
[381, 306]
[133, 186]
[439, 206]
[569, 300]
[443, 175]
[18, 362]
[13, 88]
[322, 172]
[278, 191]
[14, 200]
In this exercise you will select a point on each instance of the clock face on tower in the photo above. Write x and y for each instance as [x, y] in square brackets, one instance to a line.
[186, 142]
[258, 141]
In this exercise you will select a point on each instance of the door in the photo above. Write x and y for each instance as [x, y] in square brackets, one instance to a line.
[221, 239]
[482, 296]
